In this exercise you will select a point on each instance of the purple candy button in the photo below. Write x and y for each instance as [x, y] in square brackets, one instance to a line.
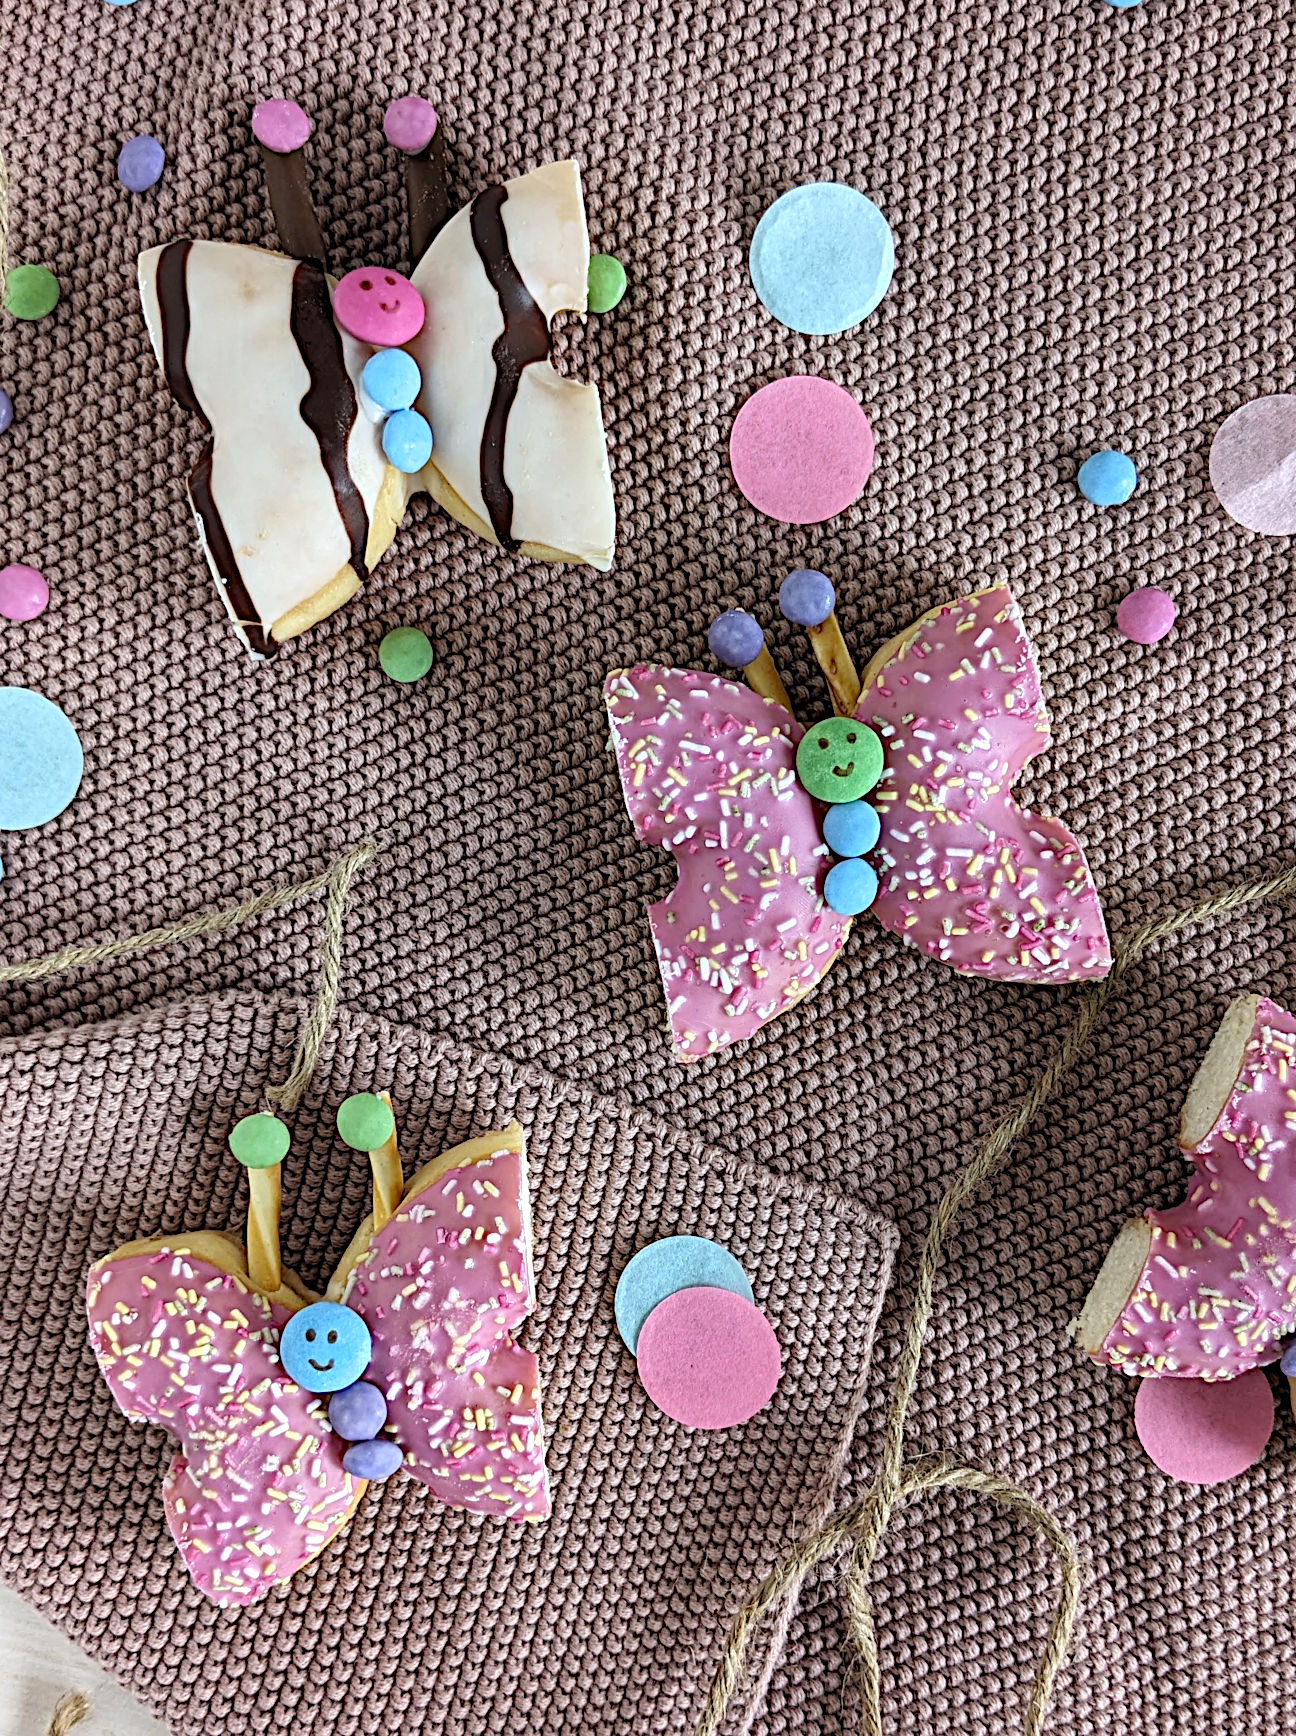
[6, 409]
[373, 1460]
[140, 163]
[410, 123]
[281, 126]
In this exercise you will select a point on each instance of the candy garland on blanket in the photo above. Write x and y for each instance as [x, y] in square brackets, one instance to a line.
[864, 1522]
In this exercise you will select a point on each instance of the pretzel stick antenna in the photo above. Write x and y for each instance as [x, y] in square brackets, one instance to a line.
[260, 1143]
[738, 639]
[808, 599]
[282, 129]
[366, 1123]
[388, 1176]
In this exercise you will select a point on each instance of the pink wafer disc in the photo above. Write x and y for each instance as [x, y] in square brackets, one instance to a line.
[708, 1358]
[801, 449]
[1205, 1432]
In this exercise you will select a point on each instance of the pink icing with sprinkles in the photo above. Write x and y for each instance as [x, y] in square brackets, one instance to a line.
[708, 769]
[965, 875]
[443, 1287]
[258, 1487]
[1218, 1291]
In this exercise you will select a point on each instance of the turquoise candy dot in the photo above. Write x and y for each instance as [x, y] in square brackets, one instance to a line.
[365, 1122]
[40, 759]
[407, 441]
[259, 1141]
[392, 380]
[325, 1347]
[850, 887]
[675, 1263]
[1108, 478]
[851, 828]
[822, 257]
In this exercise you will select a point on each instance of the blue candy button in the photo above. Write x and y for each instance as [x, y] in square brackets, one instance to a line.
[850, 887]
[736, 638]
[851, 829]
[357, 1412]
[407, 441]
[675, 1263]
[1108, 478]
[373, 1460]
[325, 1347]
[392, 380]
[822, 257]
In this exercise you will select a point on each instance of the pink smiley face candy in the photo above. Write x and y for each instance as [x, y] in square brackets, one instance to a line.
[379, 307]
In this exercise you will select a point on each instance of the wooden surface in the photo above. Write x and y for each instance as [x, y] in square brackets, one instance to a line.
[37, 1665]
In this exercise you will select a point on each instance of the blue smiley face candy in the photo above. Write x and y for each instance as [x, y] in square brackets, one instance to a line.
[325, 1347]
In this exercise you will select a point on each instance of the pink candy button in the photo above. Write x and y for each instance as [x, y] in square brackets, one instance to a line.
[280, 126]
[708, 1358]
[410, 123]
[801, 449]
[1146, 615]
[24, 593]
[1200, 1432]
[379, 307]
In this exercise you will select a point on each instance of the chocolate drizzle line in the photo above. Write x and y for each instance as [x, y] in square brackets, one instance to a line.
[173, 304]
[427, 194]
[525, 339]
[294, 214]
[329, 407]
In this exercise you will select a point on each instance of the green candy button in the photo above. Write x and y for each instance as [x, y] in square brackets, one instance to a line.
[607, 282]
[30, 291]
[405, 655]
[839, 760]
[365, 1122]
[259, 1141]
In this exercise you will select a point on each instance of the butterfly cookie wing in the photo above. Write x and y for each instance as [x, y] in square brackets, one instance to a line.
[443, 1287]
[258, 1488]
[965, 874]
[708, 770]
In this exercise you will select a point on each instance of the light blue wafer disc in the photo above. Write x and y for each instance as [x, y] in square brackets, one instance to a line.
[676, 1263]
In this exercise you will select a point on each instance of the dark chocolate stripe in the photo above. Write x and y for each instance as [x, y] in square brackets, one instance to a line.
[173, 305]
[329, 407]
[525, 339]
[427, 194]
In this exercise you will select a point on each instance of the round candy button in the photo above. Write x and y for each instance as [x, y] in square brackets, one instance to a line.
[822, 258]
[392, 380]
[708, 1358]
[1205, 1432]
[801, 449]
[407, 441]
[736, 638]
[1146, 615]
[674, 1263]
[6, 409]
[41, 761]
[850, 887]
[851, 829]
[30, 291]
[365, 1122]
[373, 1460]
[281, 126]
[140, 163]
[406, 655]
[379, 307]
[23, 593]
[259, 1141]
[839, 759]
[357, 1412]
[325, 1347]
[807, 598]
[410, 124]
[607, 282]
[1108, 478]
[1288, 1363]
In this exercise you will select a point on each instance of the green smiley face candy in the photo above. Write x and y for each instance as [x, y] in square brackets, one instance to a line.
[839, 760]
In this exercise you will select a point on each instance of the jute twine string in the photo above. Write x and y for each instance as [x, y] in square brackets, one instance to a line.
[863, 1524]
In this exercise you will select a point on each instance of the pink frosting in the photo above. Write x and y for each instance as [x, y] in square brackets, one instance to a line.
[443, 1286]
[1218, 1291]
[259, 1487]
[709, 773]
[965, 875]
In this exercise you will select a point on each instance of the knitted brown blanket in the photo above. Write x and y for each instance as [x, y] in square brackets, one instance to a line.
[1096, 245]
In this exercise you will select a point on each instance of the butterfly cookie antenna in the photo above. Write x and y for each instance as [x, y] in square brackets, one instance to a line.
[366, 1123]
[737, 638]
[281, 129]
[808, 600]
[260, 1143]
[412, 126]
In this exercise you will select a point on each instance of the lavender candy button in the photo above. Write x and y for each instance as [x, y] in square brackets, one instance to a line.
[373, 1460]
[357, 1412]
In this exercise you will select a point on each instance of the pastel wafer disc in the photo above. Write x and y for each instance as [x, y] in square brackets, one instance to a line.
[1253, 465]
[801, 449]
[674, 1263]
[708, 1358]
[1205, 1432]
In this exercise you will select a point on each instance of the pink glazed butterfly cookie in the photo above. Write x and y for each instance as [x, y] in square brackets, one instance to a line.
[776, 849]
[286, 1404]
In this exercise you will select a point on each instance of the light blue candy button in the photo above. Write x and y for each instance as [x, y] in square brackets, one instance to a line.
[40, 759]
[822, 257]
[677, 1263]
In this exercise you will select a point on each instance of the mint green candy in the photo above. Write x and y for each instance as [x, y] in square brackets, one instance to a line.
[607, 282]
[30, 291]
[259, 1141]
[365, 1122]
[405, 655]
